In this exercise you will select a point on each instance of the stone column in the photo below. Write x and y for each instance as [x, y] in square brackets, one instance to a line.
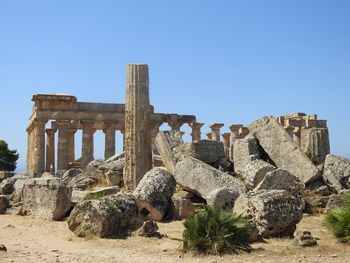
[289, 130]
[209, 135]
[138, 141]
[175, 126]
[71, 145]
[122, 131]
[226, 142]
[38, 155]
[215, 127]
[29, 147]
[196, 130]
[297, 133]
[50, 150]
[62, 145]
[234, 136]
[109, 132]
[87, 154]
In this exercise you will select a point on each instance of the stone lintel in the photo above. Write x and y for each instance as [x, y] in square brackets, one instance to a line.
[315, 123]
[54, 97]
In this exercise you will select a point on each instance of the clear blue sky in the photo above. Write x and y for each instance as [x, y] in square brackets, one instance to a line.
[224, 61]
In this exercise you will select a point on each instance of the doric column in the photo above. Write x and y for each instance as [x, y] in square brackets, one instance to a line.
[175, 126]
[297, 133]
[209, 135]
[29, 147]
[196, 130]
[234, 136]
[122, 131]
[138, 141]
[109, 132]
[39, 146]
[62, 144]
[226, 137]
[71, 145]
[289, 130]
[50, 150]
[87, 154]
[215, 127]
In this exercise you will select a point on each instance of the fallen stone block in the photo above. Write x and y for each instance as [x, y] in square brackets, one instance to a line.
[203, 180]
[270, 213]
[336, 172]
[183, 208]
[46, 197]
[244, 152]
[70, 174]
[255, 171]
[153, 193]
[282, 150]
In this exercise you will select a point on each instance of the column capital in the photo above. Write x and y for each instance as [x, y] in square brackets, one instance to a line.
[216, 126]
[175, 125]
[235, 127]
[50, 131]
[226, 135]
[195, 125]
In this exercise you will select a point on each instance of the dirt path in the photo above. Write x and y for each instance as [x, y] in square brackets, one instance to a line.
[37, 240]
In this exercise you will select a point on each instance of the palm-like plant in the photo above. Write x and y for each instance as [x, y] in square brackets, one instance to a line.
[216, 231]
[338, 220]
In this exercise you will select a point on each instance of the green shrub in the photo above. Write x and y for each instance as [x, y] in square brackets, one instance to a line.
[94, 196]
[338, 220]
[216, 231]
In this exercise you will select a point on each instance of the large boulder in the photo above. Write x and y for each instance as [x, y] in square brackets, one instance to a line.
[153, 193]
[316, 142]
[336, 172]
[244, 151]
[282, 150]
[46, 197]
[206, 181]
[255, 171]
[271, 213]
[209, 152]
[280, 179]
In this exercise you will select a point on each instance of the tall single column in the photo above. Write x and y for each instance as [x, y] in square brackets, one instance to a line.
[87, 154]
[234, 136]
[109, 132]
[39, 146]
[50, 150]
[175, 126]
[196, 130]
[62, 145]
[29, 143]
[226, 142]
[71, 145]
[138, 141]
[215, 127]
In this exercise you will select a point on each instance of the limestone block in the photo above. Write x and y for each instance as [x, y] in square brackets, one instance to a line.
[70, 174]
[17, 193]
[316, 141]
[183, 208]
[46, 197]
[166, 142]
[282, 150]
[81, 182]
[244, 151]
[222, 198]
[336, 172]
[279, 180]
[255, 171]
[209, 152]
[154, 192]
[114, 177]
[4, 203]
[335, 200]
[271, 213]
[202, 179]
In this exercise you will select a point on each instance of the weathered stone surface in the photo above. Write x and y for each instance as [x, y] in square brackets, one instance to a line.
[148, 229]
[223, 198]
[60, 173]
[335, 200]
[255, 171]
[18, 188]
[81, 182]
[92, 217]
[183, 208]
[70, 174]
[282, 150]
[4, 175]
[154, 192]
[244, 151]
[115, 157]
[6, 186]
[315, 141]
[166, 142]
[209, 152]
[279, 179]
[185, 194]
[46, 197]
[271, 213]
[336, 172]
[47, 175]
[4, 203]
[202, 179]
[114, 176]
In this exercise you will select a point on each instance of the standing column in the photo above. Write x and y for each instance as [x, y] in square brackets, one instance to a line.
[122, 131]
[87, 154]
[196, 130]
[138, 141]
[297, 133]
[50, 150]
[29, 147]
[71, 145]
[226, 137]
[175, 126]
[39, 146]
[234, 136]
[62, 145]
[216, 131]
[109, 132]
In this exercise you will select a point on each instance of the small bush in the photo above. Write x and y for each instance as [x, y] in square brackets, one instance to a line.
[338, 220]
[94, 196]
[216, 231]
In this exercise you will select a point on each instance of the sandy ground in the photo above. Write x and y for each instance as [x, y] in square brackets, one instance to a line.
[38, 240]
